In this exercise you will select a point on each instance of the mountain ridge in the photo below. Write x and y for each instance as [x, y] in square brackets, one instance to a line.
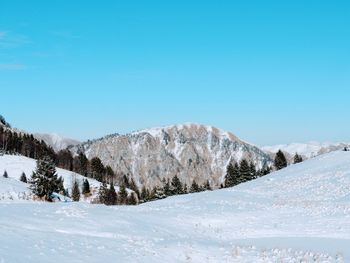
[191, 151]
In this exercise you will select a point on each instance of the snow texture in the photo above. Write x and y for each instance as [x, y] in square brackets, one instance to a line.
[298, 214]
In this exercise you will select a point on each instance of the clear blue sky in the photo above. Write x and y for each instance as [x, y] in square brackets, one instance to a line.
[269, 71]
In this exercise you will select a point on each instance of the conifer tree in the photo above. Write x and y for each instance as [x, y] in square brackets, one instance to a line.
[23, 178]
[176, 186]
[44, 180]
[194, 187]
[132, 199]
[134, 187]
[232, 177]
[185, 190]
[102, 193]
[85, 187]
[253, 172]
[122, 194]
[143, 195]
[5, 175]
[207, 186]
[75, 192]
[297, 158]
[244, 171]
[280, 160]
[166, 188]
[111, 196]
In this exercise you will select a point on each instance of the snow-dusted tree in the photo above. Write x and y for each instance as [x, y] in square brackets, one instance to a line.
[5, 175]
[185, 190]
[244, 172]
[176, 186]
[280, 160]
[75, 191]
[232, 175]
[44, 180]
[23, 178]
[122, 195]
[194, 187]
[252, 170]
[207, 186]
[134, 187]
[111, 195]
[166, 187]
[132, 199]
[85, 187]
[297, 158]
[102, 193]
[144, 194]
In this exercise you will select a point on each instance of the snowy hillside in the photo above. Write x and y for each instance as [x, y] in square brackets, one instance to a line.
[299, 214]
[190, 151]
[12, 188]
[307, 150]
[56, 141]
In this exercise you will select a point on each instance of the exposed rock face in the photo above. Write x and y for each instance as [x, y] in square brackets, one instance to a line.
[190, 151]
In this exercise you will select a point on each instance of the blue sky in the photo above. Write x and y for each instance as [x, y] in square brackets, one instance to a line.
[269, 71]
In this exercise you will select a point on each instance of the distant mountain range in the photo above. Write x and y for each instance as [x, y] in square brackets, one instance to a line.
[306, 150]
[190, 151]
[56, 141]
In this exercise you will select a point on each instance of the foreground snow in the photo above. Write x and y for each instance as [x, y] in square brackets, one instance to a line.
[299, 214]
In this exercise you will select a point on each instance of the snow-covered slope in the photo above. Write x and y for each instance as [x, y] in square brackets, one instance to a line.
[190, 151]
[12, 188]
[307, 150]
[56, 141]
[298, 214]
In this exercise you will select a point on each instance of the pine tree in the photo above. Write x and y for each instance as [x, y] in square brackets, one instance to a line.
[185, 190]
[232, 175]
[85, 187]
[297, 158]
[97, 169]
[132, 199]
[207, 186]
[244, 171]
[253, 172]
[194, 187]
[280, 160]
[102, 193]
[176, 186]
[111, 196]
[144, 194]
[122, 194]
[166, 188]
[75, 192]
[23, 178]
[134, 187]
[5, 175]
[44, 180]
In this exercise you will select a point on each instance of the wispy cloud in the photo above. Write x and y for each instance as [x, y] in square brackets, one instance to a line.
[2, 34]
[10, 40]
[65, 34]
[12, 66]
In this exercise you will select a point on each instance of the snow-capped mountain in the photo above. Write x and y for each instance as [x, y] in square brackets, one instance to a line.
[190, 151]
[56, 141]
[306, 150]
